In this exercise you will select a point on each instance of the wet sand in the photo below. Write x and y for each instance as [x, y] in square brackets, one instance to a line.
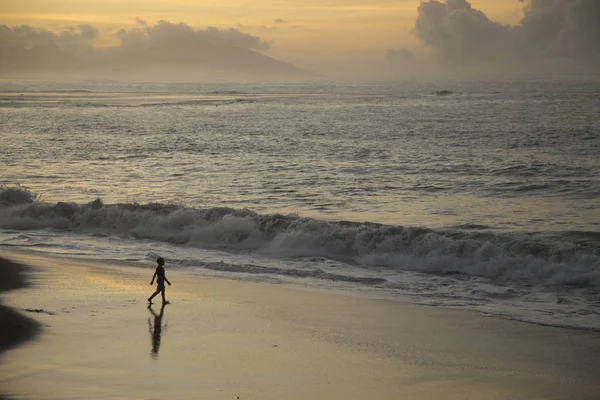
[224, 339]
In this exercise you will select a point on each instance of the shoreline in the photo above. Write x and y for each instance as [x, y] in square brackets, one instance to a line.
[222, 338]
[136, 265]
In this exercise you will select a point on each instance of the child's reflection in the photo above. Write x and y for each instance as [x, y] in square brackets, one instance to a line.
[155, 330]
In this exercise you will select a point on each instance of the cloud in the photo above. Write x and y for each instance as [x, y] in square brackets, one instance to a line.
[281, 21]
[185, 38]
[552, 33]
[164, 45]
[562, 27]
[458, 32]
[24, 48]
[27, 37]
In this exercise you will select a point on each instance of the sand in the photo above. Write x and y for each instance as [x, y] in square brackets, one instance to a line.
[227, 339]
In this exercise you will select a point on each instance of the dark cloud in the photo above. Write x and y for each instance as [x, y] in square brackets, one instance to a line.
[551, 33]
[562, 27]
[459, 32]
[165, 45]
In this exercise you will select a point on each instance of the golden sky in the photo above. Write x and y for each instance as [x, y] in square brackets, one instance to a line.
[309, 33]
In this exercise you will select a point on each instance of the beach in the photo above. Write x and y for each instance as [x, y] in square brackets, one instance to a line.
[353, 202]
[226, 339]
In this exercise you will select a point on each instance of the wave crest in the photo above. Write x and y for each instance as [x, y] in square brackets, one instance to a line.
[17, 194]
[528, 258]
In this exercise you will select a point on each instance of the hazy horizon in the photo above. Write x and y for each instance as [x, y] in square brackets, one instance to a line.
[340, 40]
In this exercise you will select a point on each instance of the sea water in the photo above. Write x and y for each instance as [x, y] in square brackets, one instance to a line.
[481, 195]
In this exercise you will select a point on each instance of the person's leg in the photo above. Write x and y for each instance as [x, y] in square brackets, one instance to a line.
[151, 297]
[162, 293]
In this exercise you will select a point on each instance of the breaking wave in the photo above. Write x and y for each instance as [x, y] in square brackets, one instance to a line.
[534, 259]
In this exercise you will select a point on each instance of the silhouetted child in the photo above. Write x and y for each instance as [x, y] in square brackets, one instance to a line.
[159, 274]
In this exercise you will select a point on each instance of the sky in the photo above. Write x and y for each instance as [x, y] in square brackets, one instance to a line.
[343, 38]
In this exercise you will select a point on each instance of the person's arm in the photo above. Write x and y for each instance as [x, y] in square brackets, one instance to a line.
[153, 276]
[166, 280]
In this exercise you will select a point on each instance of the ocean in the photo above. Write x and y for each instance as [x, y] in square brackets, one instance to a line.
[478, 195]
